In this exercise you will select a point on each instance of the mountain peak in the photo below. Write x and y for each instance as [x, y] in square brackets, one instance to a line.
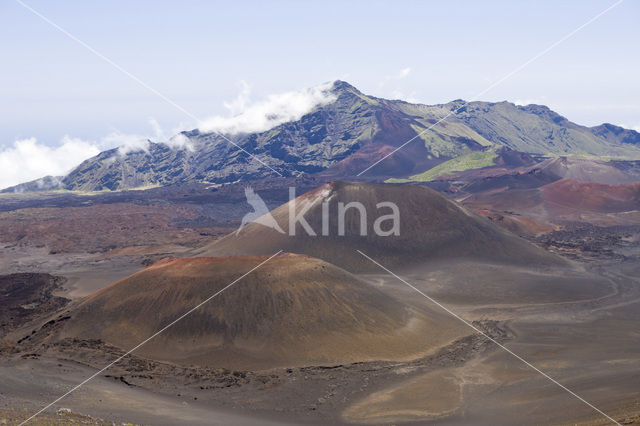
[335, 126]
[340, 86]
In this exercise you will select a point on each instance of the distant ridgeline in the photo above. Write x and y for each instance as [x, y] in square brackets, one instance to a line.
[345, 136]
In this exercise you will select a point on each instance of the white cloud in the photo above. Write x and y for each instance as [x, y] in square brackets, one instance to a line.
[400, 75]
[403, 73]
[177, 141]
[240, 103]
[180, 141]
[247, 116]
[157, 129]
[27, 159]
[126, 143]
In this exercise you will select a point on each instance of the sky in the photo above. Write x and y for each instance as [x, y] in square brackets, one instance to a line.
[60, 103]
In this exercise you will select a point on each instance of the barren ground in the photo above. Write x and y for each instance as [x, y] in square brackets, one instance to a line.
[578, 325]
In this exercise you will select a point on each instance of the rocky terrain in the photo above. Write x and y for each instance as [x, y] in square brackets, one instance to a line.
[554, 314]
[516, 227]
[343, 137]
[26, 297]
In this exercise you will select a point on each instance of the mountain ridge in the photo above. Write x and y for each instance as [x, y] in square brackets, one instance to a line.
[343, 137]
[430, 227]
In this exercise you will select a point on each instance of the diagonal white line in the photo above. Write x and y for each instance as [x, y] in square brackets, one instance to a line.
[171, 324]
[136, 79]
[476, 329]
[496, 83]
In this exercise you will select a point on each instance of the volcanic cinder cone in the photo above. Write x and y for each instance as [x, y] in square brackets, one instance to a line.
[291, 311]
[431, 228]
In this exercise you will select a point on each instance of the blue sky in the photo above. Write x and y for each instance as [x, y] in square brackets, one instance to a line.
[198, 53]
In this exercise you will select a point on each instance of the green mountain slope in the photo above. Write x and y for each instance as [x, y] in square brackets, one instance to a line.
[345, 136]
[473, 160]
[537, 129]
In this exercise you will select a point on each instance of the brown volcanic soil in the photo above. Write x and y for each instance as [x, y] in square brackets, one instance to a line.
[585, 170]
[292, 311]
[94, 239]
[592, 197]
[574, 328]
[26, 297]
[432, 227]
[60, 419]
[579, 330]
[522, 226]
[516, 170]
[161, 220]
[553, 206]
[409, 160]
[104, 227]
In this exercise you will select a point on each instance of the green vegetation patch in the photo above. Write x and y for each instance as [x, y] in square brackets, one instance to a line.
[473, 160]
[397, 180]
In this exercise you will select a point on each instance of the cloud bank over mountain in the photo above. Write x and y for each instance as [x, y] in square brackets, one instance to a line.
[27, 159]
[310, 131]
[248, 117]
